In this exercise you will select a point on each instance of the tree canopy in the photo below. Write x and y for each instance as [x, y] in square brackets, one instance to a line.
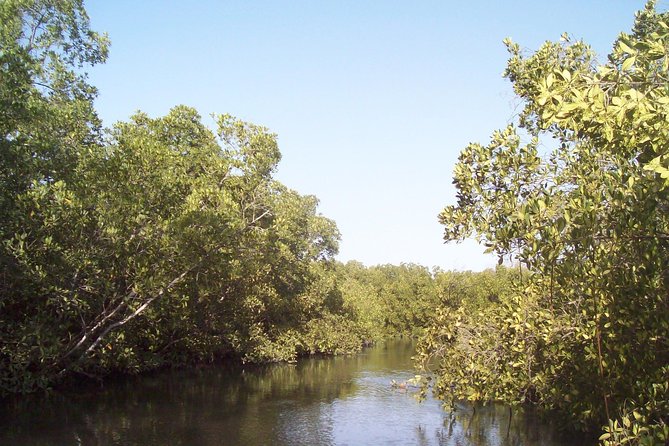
[158, 241]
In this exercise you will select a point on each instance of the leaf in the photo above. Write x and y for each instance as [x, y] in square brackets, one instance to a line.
[626, 48]
[627, 63]
[566, 75]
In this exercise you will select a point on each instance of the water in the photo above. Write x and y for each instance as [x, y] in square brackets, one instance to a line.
[326, 401]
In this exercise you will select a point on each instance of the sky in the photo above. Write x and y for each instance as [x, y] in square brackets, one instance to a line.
[372, 101]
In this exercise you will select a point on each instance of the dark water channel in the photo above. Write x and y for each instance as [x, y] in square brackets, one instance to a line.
[327, 401]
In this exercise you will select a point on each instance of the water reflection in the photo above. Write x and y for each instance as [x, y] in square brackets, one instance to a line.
[332, 401]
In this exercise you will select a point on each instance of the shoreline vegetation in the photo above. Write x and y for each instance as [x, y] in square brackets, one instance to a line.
[584, 332]
[160, 242]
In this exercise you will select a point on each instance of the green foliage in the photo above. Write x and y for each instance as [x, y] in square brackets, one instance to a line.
[474, 291]
[46, 111]
[637, 423]
[46, 123]
[462, 342]
[158, 243]
[169, 246]
[388, 300]
[333, 334]
[584, 333]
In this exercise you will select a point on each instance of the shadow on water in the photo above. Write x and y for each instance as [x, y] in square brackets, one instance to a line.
[497, 424]
[318, 401]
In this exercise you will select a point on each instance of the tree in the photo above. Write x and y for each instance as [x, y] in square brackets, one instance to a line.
[46, 122]
[586, 332]
[46, 105]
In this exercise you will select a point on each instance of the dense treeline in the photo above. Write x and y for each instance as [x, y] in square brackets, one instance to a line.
[585, 331]
[157, 242]
[390, 300]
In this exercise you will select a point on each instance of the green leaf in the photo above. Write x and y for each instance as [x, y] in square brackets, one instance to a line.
[626, 48]
[627, 63]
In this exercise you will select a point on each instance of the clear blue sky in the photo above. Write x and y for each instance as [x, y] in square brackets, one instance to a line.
[371, 100]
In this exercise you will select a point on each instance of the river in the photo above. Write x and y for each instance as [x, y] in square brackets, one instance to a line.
[318, 401]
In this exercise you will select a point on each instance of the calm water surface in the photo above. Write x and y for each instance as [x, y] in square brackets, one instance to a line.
[328, 401]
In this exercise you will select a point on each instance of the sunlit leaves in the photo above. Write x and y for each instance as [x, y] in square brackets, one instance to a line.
[587, 219]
